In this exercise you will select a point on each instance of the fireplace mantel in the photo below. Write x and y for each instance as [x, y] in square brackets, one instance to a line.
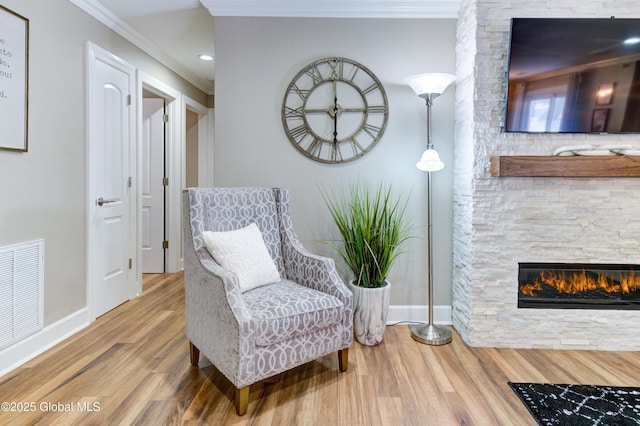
[558, 166]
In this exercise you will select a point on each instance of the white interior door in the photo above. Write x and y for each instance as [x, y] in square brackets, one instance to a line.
[110, 121]
[153, 202]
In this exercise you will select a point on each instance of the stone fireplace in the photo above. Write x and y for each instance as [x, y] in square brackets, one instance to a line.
[500, 222]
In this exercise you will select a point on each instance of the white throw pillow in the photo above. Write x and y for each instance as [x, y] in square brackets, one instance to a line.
[244, 252]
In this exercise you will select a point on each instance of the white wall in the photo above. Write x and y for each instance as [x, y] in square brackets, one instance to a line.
[256, 58]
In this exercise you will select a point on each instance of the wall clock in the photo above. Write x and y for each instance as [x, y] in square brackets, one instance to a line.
[335, 110]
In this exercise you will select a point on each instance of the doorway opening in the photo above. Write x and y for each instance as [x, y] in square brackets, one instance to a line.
[153, 183]
[177, 109]
[191, 148]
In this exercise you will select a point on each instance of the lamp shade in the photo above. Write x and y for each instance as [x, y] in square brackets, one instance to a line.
[430, 161]
[430, 83]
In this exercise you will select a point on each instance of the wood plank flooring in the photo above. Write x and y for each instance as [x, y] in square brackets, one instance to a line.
[131, 366]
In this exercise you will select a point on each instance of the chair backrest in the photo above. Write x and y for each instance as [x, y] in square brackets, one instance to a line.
[228, 209]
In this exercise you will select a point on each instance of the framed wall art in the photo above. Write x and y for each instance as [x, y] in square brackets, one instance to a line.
[599, 120]
[14, 80]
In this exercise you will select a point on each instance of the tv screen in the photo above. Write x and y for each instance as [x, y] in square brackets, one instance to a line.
[574, 76]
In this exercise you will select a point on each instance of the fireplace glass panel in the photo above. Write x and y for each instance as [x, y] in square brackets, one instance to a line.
[578, 286]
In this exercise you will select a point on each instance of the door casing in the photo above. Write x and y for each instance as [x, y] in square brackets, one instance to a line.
[174, 157]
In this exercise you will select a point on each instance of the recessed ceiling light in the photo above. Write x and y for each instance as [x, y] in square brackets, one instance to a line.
[632, 40]
[205, 57]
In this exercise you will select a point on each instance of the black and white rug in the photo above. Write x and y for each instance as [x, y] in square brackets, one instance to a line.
[578, 405]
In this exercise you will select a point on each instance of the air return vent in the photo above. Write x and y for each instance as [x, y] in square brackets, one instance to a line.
[21, 279]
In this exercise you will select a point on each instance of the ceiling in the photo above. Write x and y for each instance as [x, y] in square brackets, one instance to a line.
[336, 8]
[176, 31]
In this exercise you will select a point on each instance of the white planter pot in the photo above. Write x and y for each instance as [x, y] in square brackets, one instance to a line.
[370, 309]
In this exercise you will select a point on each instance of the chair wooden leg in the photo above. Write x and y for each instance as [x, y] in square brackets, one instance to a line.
[194, 353]
[343, 359]
[242, 400]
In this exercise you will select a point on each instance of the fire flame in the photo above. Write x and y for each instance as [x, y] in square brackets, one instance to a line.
[574, 282]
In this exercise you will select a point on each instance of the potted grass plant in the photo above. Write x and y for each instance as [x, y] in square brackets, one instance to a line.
[373, 228]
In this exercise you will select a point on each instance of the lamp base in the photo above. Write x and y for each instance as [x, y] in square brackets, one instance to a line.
[430, 334]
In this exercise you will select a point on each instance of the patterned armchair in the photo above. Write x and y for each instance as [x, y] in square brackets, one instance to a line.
[252, 335]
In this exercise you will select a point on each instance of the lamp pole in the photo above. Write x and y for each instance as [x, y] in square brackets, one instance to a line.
[429, 333]
[429, 86]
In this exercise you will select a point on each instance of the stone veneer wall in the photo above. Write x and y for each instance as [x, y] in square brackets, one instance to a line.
[499, 222]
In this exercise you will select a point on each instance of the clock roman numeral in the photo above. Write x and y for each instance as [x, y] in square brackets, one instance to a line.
[353, 74]
[293, 112]
[300, 92]
[355, 145]
[315, 147]
[372, 130]
[371, 89]
[336, 154]
[337, 68]
[315, 74]
[299, 133]
[377, 109]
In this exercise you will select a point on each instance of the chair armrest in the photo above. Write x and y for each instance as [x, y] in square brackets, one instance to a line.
[303, 267]
[311, 270]
[215, 312]
[318, 273]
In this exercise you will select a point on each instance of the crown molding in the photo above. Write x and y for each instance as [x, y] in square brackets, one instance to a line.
[335, 8]
[108, 18]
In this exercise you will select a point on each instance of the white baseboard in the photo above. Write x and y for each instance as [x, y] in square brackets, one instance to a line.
[24, 350]
[419, 313]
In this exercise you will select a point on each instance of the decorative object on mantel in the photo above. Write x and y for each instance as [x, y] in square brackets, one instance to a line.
[373, 228]
[428, 87]
[596, 150]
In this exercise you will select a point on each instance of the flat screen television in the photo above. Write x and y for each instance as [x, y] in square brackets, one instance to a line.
[574, 76]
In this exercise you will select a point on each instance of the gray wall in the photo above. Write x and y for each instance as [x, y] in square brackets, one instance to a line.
[43, 191]
[256, 58]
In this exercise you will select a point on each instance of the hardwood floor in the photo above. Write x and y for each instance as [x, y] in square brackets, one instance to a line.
[131, 366]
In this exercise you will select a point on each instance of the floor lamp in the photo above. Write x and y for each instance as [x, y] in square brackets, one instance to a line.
[430, 86]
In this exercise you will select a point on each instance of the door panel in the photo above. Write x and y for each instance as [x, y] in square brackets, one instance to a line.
[113, 228]
[110, 119]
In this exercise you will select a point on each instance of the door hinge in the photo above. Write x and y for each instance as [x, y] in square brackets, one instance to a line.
[130, 182]
[165, 244]
[130, 263]
[165, 181]
[128, 99]
[165, 118]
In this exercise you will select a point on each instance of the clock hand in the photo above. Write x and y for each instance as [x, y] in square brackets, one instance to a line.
[335, 113]
[335, 121]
